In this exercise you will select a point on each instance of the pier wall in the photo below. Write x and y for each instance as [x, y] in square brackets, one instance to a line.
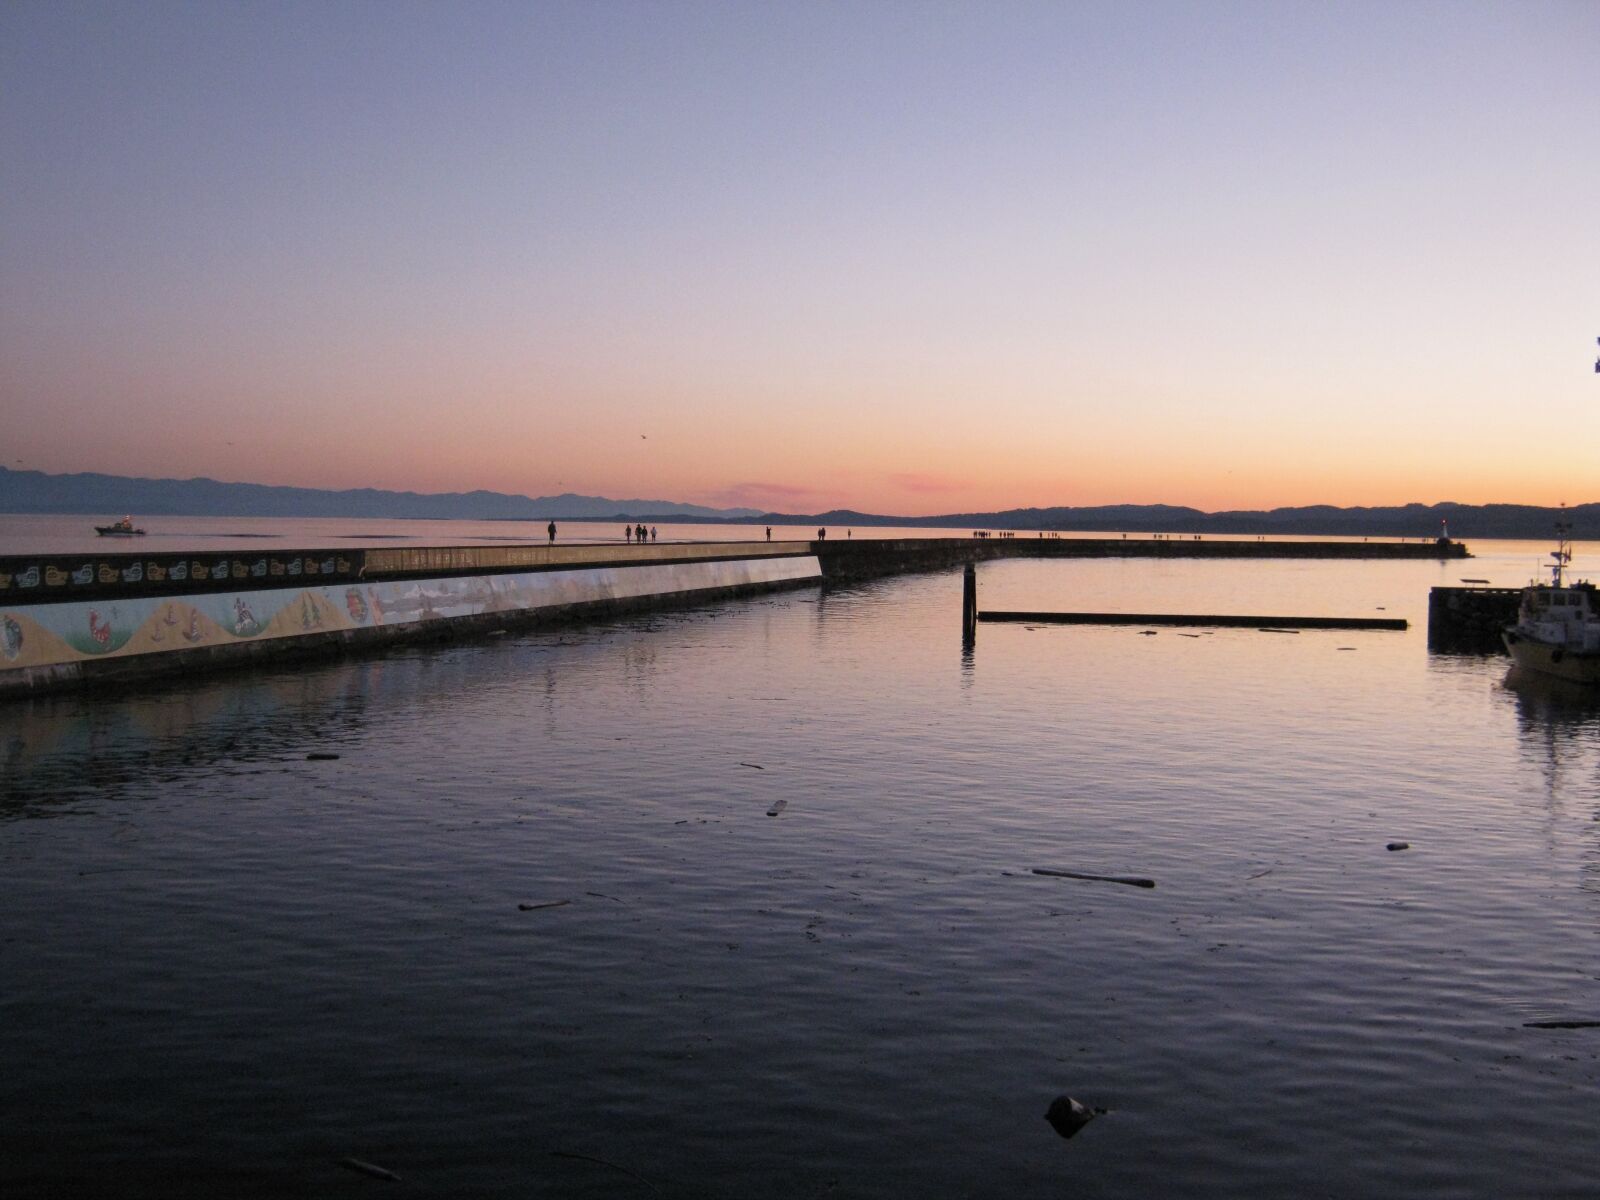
[1470, 619]
[149, 629]
[68, 620]
[862, 558]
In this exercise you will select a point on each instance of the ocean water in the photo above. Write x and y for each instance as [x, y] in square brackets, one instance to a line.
[75, 534]
[225, 967]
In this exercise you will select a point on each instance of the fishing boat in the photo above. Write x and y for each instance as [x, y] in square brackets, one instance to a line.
[122, 528]
[1558, 623]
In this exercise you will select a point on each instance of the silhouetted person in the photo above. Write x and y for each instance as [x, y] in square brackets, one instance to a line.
[551, 530]
[652, 533]
[769, 533]
[627, 534]
[822, 535]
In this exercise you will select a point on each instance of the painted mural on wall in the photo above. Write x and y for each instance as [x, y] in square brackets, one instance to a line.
[32, 582]
[79, 631]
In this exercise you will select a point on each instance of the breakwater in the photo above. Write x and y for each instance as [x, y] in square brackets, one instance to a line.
[69, 621]
[861, 558]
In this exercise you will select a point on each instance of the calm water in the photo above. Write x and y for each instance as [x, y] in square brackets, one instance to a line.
[74, 534]
[226, 967]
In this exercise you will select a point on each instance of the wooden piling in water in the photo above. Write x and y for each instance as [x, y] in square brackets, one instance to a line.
[969, 602]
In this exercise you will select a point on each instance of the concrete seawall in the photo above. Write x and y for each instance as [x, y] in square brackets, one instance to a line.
[124, 621]
[1470, 619]
[73, 620]
[860, 558]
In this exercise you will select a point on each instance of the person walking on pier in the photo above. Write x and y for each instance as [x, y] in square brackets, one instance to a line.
[652, 533]
[551, 530]
[627, 534]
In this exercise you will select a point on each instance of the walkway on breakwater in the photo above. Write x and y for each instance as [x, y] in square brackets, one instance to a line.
[858, 558]
[74, 619]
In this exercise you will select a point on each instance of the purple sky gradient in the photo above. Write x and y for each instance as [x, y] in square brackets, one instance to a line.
[901, 257]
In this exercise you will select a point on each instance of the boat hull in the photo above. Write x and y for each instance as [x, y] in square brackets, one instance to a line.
[1547, 659]
[108, 531]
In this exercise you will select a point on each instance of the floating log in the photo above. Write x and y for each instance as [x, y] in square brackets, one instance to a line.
[1130, 880]
[1561, 1024]
[373, 1170]
[1229, 620]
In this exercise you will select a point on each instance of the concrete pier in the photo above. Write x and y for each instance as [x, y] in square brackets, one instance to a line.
[70, 621]
[74, 619]
[863, 558]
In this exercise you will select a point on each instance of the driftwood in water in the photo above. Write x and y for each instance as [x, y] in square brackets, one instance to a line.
[1561, 1024]
[1130, 880]
[362, 1167]
[589, 1158]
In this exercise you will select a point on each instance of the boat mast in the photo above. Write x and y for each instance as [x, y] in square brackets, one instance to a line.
[1562, 553]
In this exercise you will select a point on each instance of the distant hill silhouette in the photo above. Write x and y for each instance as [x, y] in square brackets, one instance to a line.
[1408, 520]
[38, 492]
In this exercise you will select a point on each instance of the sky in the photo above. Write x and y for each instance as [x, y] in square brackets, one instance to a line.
[908, 258]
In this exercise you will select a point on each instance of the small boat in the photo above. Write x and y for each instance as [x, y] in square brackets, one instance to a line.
[1558, 623]
[122, 528]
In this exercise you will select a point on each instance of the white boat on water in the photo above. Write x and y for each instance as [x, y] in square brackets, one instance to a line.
[122, 528]
[1558, 623]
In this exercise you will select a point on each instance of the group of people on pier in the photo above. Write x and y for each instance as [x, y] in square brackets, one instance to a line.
[638, 533]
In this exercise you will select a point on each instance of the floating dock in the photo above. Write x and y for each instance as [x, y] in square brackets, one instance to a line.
[1217, 620]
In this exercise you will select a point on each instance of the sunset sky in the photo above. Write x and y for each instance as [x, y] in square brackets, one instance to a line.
[908, 258]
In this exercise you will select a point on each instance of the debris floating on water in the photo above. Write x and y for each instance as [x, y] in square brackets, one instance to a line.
[546, 904]
[753, 766]
[589, 1158]
[1067, 1116]
[320, 756]
[1130, 880]
[777, 807]
[361, 1167]
[1398, 846]
[1561, 1024]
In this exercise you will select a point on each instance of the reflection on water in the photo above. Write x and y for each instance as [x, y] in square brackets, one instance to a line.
[227, 967]
[1559, 736]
